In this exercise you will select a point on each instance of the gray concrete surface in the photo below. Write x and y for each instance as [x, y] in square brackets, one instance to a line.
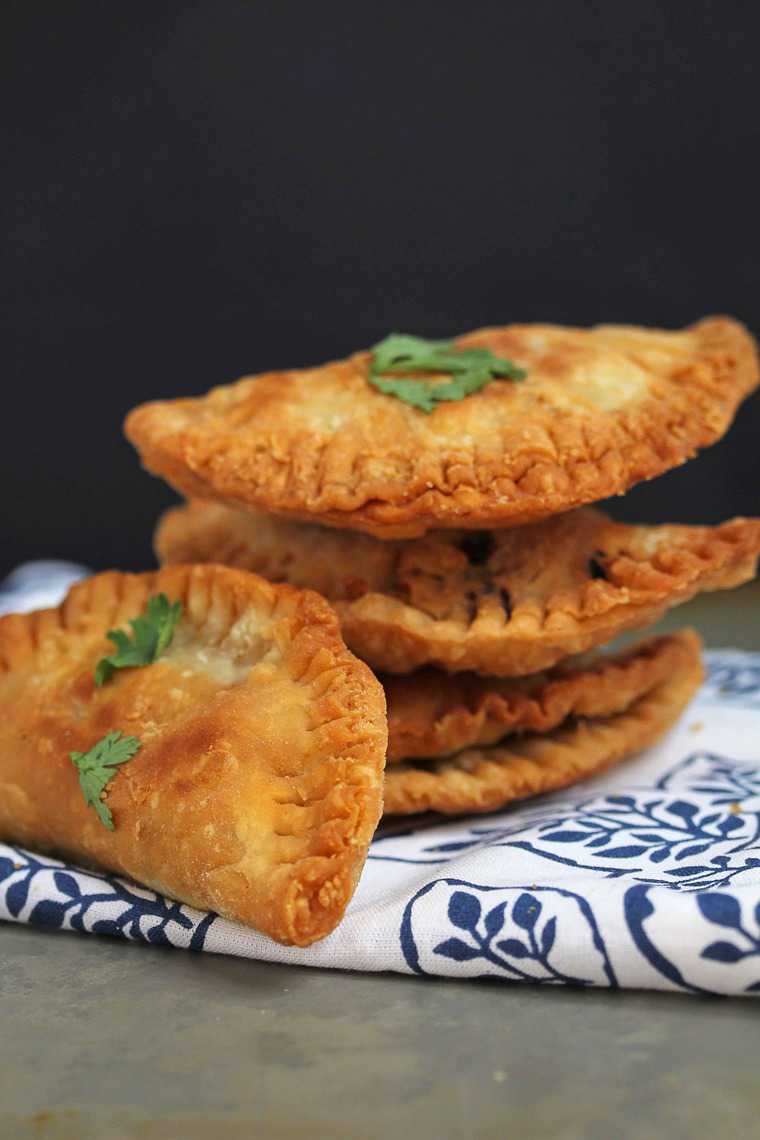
[104, 1039]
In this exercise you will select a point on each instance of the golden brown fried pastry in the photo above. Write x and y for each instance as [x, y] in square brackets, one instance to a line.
[258, 783]
[502, 603]
[432, 714]
[484, 779]
[600, 410]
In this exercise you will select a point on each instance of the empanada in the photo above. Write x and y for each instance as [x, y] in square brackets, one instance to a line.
[432, 714]
[258, 782]
[503, 603]
[599, 410]
[484, 779]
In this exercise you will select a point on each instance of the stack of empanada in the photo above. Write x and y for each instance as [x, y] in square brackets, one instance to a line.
[452, 536]
[231, 750]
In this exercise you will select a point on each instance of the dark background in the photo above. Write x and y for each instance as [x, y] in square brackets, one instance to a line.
[191, 191]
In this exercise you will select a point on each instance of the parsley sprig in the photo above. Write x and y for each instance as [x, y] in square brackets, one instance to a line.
[470, 369]
[98, 766]
[152, 633]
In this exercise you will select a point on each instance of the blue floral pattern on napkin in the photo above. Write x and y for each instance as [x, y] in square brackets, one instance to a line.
[648, 876]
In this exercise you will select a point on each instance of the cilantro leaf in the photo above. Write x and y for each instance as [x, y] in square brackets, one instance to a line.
[98, 766]
[470, 369]
[152, 635]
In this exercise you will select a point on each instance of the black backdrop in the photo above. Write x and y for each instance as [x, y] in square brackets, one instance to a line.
[190, 191]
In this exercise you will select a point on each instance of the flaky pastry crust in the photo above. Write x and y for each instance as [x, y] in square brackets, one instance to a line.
[484, 779]
[258, 785]
[432, 714]
[600, 410]
[502, 603]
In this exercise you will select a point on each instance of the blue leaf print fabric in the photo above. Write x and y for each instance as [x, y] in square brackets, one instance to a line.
[647, 876]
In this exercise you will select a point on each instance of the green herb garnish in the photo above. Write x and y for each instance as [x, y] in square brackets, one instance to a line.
[470, 369]
[152, 635]
[97, 767]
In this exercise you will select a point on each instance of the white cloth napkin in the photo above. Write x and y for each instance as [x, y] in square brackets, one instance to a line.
[648, 876]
